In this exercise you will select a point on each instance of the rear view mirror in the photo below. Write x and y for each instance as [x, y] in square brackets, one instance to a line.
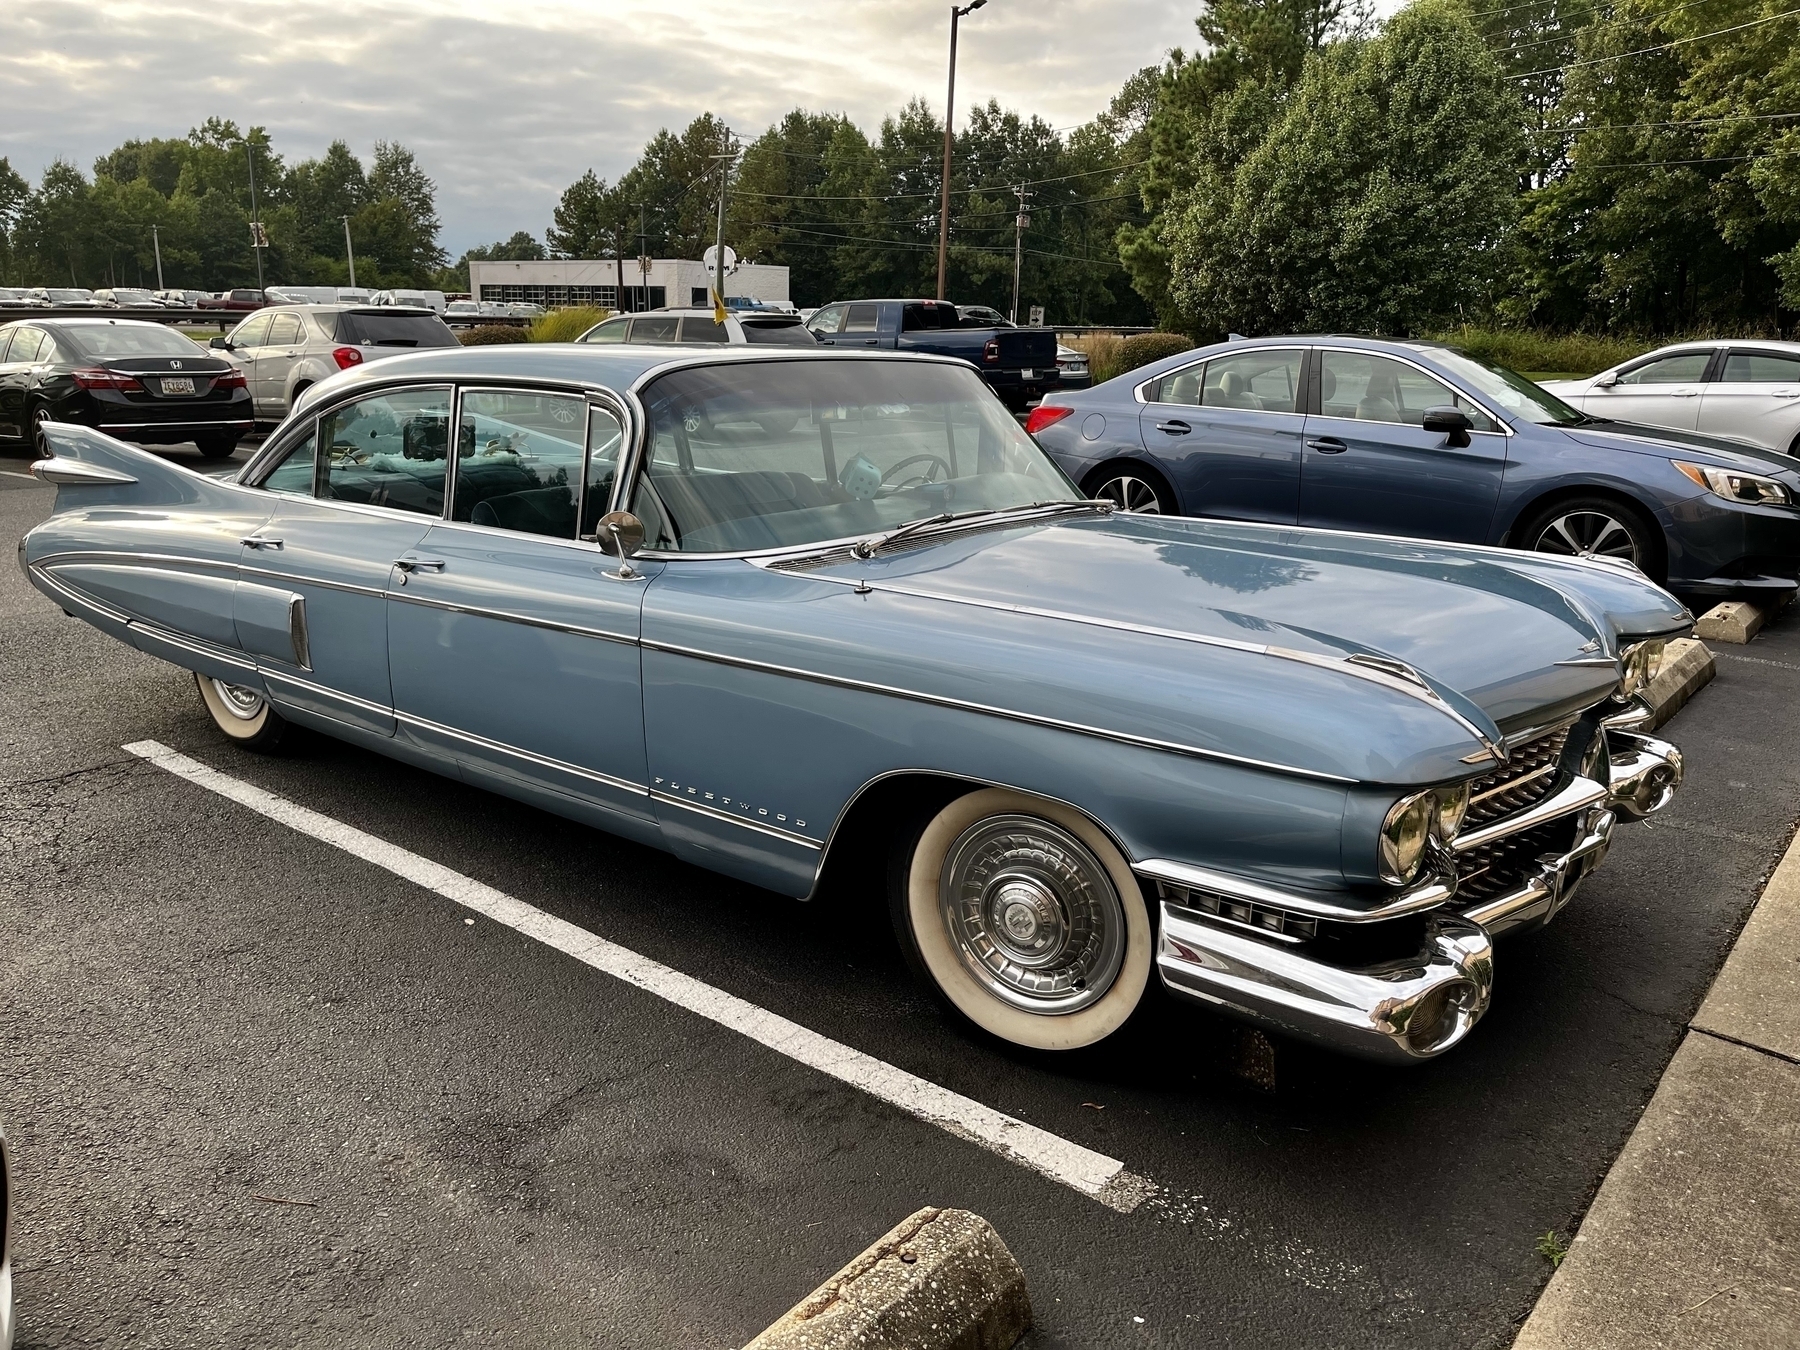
[623, 534]
[1448, 421]
[221, 343]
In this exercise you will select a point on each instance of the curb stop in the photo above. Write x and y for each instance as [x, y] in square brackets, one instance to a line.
[940, 1280]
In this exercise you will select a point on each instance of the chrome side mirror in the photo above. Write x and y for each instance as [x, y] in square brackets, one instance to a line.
[624, 534]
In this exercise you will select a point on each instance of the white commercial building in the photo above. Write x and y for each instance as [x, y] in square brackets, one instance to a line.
[595, 281]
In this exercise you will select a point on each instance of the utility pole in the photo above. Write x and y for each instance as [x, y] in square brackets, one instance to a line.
[949, 115]
[719, 232]
[349, 252]
[156, 243]
[256, 230]
[1020, 221]
[643, 259]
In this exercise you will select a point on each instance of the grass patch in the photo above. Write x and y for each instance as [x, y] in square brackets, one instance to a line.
[1552, 1248]
[1569, 355]
[565, 325]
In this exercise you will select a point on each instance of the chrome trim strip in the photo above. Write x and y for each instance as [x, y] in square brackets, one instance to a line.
[73, 596]
[1580, 793]
[198, 646]
[788, 836]
[214, 423]
[98, 556]
[542, 761]
[1426, 895]
[1512, 783]
[77, 473]
[1550, 885]
[410, 597]
[363, 704]
[294, 579]
[963, 705]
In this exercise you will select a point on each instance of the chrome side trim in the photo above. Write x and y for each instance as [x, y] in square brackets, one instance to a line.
[350, 700]
[1429, 894]
[1578, 795]
[411, 597]
[213, 423]
[963, 705]
[77, 473]
[197, 646]
[1414, 688]
[46, 579]
[775, 831]
[295, 579]
[114, 556]
[297, 632]
[513, 751]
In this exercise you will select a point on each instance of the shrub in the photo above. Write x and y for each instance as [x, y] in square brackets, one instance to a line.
[1102, 353]
[565, 325]
[1530, 351]
[1140, 349]
[490, 334]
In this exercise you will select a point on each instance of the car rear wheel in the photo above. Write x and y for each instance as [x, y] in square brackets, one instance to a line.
[217, 447]
[243, 714]
[1025, 918]
[1132, 490]
[1596, 527]
[40, 441]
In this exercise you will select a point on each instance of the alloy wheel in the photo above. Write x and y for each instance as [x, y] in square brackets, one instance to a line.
[1137, 495]
[1588, 533]
[40, 443]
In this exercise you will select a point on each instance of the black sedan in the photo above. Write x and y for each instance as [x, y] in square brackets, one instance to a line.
[135, 380]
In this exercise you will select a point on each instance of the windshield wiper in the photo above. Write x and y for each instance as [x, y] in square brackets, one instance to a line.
[865, 548]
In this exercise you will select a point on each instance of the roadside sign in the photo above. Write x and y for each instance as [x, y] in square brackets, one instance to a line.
[259, 237]
[1037, 316]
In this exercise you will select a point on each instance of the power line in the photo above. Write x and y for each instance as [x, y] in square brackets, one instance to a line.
[911, 196]
[1576, 128]
[1661, 46]
[1569, 35]
[1666, 163]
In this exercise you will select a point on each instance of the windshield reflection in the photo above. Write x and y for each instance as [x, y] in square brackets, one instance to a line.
[1509, 390]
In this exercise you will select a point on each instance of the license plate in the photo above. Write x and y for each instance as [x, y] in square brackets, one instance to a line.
[177, 386]
[1028, 374]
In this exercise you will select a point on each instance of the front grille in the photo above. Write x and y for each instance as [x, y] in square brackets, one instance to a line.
[1493, 869]
[1524, 780]
[1239, 912]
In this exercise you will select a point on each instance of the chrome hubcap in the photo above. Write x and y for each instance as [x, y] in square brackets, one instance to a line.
[1131, 494]
[1588, 534]
[243, 704]
[1033, 914]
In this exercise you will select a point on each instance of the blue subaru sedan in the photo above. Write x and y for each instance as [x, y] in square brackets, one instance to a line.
[1420, 439]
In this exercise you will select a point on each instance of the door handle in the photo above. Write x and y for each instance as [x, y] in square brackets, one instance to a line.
[872, 342]
[260, 541]
[1684, 393]
[1327, 445]
[1174, 428]
[419, 564]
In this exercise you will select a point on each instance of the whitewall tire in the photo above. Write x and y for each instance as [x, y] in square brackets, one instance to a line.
[243, 714]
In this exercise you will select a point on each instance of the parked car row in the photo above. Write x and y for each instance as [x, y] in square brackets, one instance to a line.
[475, 311]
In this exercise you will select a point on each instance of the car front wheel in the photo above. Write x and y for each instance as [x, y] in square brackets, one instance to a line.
[40, 440]
[1596, 527]
[1025, 918]
[243, 714]
[217, 447]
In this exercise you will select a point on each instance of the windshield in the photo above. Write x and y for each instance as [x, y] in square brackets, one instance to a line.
[1512, 392]
[65, 295]
[788, 453]
[129, 340]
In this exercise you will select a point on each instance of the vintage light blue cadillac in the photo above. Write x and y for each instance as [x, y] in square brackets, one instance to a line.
[791, 615]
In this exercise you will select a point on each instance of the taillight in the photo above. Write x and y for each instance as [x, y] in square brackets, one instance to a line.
[1045, 416]
[231, 379]
[94, 377]
[991, 351]
[346, 357]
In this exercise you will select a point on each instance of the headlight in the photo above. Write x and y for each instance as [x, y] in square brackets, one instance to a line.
[1451, 805]
[1403, 836]
[1737, 487]
[1638, 664]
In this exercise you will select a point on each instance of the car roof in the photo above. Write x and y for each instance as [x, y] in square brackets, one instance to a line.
[94, 322]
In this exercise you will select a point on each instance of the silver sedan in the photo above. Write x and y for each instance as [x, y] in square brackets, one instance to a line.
[1749, 390]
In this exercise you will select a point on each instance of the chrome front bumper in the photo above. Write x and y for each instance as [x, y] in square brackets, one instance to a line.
[1401, 1011]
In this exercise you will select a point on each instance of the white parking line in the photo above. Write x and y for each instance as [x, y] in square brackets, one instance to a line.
[1093, 1174]
[13, 474]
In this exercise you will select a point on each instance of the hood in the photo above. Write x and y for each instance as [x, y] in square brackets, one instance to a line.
[1634, 436]
[1508, 639]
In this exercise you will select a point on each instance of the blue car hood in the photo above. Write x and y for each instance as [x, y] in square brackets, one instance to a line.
[1484, 627]
[1609, 435]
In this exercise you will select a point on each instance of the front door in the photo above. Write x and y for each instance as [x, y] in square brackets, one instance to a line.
[377, 487]
[275, 361]
[512, 642]
[18, 358]
[1756, 395]
[1227, 434]
[1370, 465]
[1661, 392]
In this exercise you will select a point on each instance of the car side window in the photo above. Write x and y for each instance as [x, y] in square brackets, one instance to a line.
[827, 319]
[703, 330]
[295, 472]
[252, 332]
[284, 331]
[1181, 386]
[613, 330]
[605, 439]
[653, 328]
[1677, 368]
[1263, 381]
[46, 347]
[1762, 368]
[388, 450]
[862, 318]
[1372, 388]
[518, 461]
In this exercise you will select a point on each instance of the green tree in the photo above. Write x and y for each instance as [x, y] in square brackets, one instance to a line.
[523, 246]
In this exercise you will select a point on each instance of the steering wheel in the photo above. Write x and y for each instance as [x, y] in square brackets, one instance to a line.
[919, 479]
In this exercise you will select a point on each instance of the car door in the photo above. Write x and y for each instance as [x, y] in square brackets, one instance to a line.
[375, 467]
[1660, 391]
[1755, 395]
[275, 361]
[512, 641]
[244, 346]
[825, 323]
[1227, 433]
[1370, 465]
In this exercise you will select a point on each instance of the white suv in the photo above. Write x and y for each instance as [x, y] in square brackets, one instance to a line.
[285, 348]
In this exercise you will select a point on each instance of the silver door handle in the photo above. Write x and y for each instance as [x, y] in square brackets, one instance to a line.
[1684, 393]
[1174, 428]
[419, 564]
[260, 541]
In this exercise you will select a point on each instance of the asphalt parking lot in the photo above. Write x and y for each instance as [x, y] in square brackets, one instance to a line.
[263, 1092]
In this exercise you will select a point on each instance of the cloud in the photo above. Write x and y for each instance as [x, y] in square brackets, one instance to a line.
[507, 105]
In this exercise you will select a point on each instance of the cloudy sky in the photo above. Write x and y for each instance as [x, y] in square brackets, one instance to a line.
[506, 103]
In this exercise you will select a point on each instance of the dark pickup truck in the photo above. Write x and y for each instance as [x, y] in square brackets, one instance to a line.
[1019, 364]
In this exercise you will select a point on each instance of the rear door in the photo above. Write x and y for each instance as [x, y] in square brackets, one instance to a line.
[1370, 465]
[14, 373]
[1755, 394]
[862, 325]
[1660, 391]
[1227, 433]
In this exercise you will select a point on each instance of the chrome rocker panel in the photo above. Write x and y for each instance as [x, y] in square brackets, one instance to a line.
[1264, 978]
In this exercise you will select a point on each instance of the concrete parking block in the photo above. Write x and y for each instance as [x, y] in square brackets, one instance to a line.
[1756, 998]
[1734, 621]
[1687, 667]
[940, 1280]
[1694, 1240]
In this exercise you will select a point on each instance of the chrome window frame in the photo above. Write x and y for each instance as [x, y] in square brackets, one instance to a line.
[1709, 351]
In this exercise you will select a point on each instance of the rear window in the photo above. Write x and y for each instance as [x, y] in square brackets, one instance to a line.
[928, 315]
[778, 333]
[129, 340]
[378, 328]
